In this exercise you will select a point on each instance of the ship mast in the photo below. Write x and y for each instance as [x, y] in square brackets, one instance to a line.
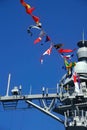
[71, 93]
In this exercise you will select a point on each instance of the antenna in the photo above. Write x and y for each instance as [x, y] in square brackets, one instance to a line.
[83, 36]
[8, 85]
[30, 89]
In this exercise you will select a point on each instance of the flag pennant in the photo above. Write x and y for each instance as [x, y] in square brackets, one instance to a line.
[25, 4]
[39, 25]
[66, 63]
[75, 77]
[69, 65]
[30, 10]
[47, 38]
[21, 1]
[67, 57]
[57, 46]
[75, 80]
[35, 18]
[37, 40]
[48, 51]
[65, 50]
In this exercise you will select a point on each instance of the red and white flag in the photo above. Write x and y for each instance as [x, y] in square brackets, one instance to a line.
[67, 57]
[37, 40]
[75, 80]
[48, 51]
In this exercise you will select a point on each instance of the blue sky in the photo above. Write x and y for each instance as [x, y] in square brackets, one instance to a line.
[64, 21]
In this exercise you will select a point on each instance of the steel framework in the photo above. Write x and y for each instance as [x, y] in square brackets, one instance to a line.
[69, 100]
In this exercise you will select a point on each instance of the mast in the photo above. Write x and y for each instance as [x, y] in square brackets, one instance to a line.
[71, 93]
[74, 103]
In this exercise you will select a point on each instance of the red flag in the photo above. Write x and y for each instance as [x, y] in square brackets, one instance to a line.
[35, 18]
[37, 40]
[25, 4]
[21, 1]
[30, 10]
[65, 50]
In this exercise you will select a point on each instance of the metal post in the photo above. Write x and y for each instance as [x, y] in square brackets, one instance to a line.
[8, 85]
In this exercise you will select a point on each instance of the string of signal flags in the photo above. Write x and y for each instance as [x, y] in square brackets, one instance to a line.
[66, 54]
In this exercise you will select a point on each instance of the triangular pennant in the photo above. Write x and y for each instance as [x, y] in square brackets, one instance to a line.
[67, 57]
[65, 50]
[25, 4]
[35, 18]
[30, 10]
[47, 38]
[57, 46]
[48, 51]
[37, 40]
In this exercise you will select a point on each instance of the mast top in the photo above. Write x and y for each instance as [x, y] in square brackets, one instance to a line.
[82, 43]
